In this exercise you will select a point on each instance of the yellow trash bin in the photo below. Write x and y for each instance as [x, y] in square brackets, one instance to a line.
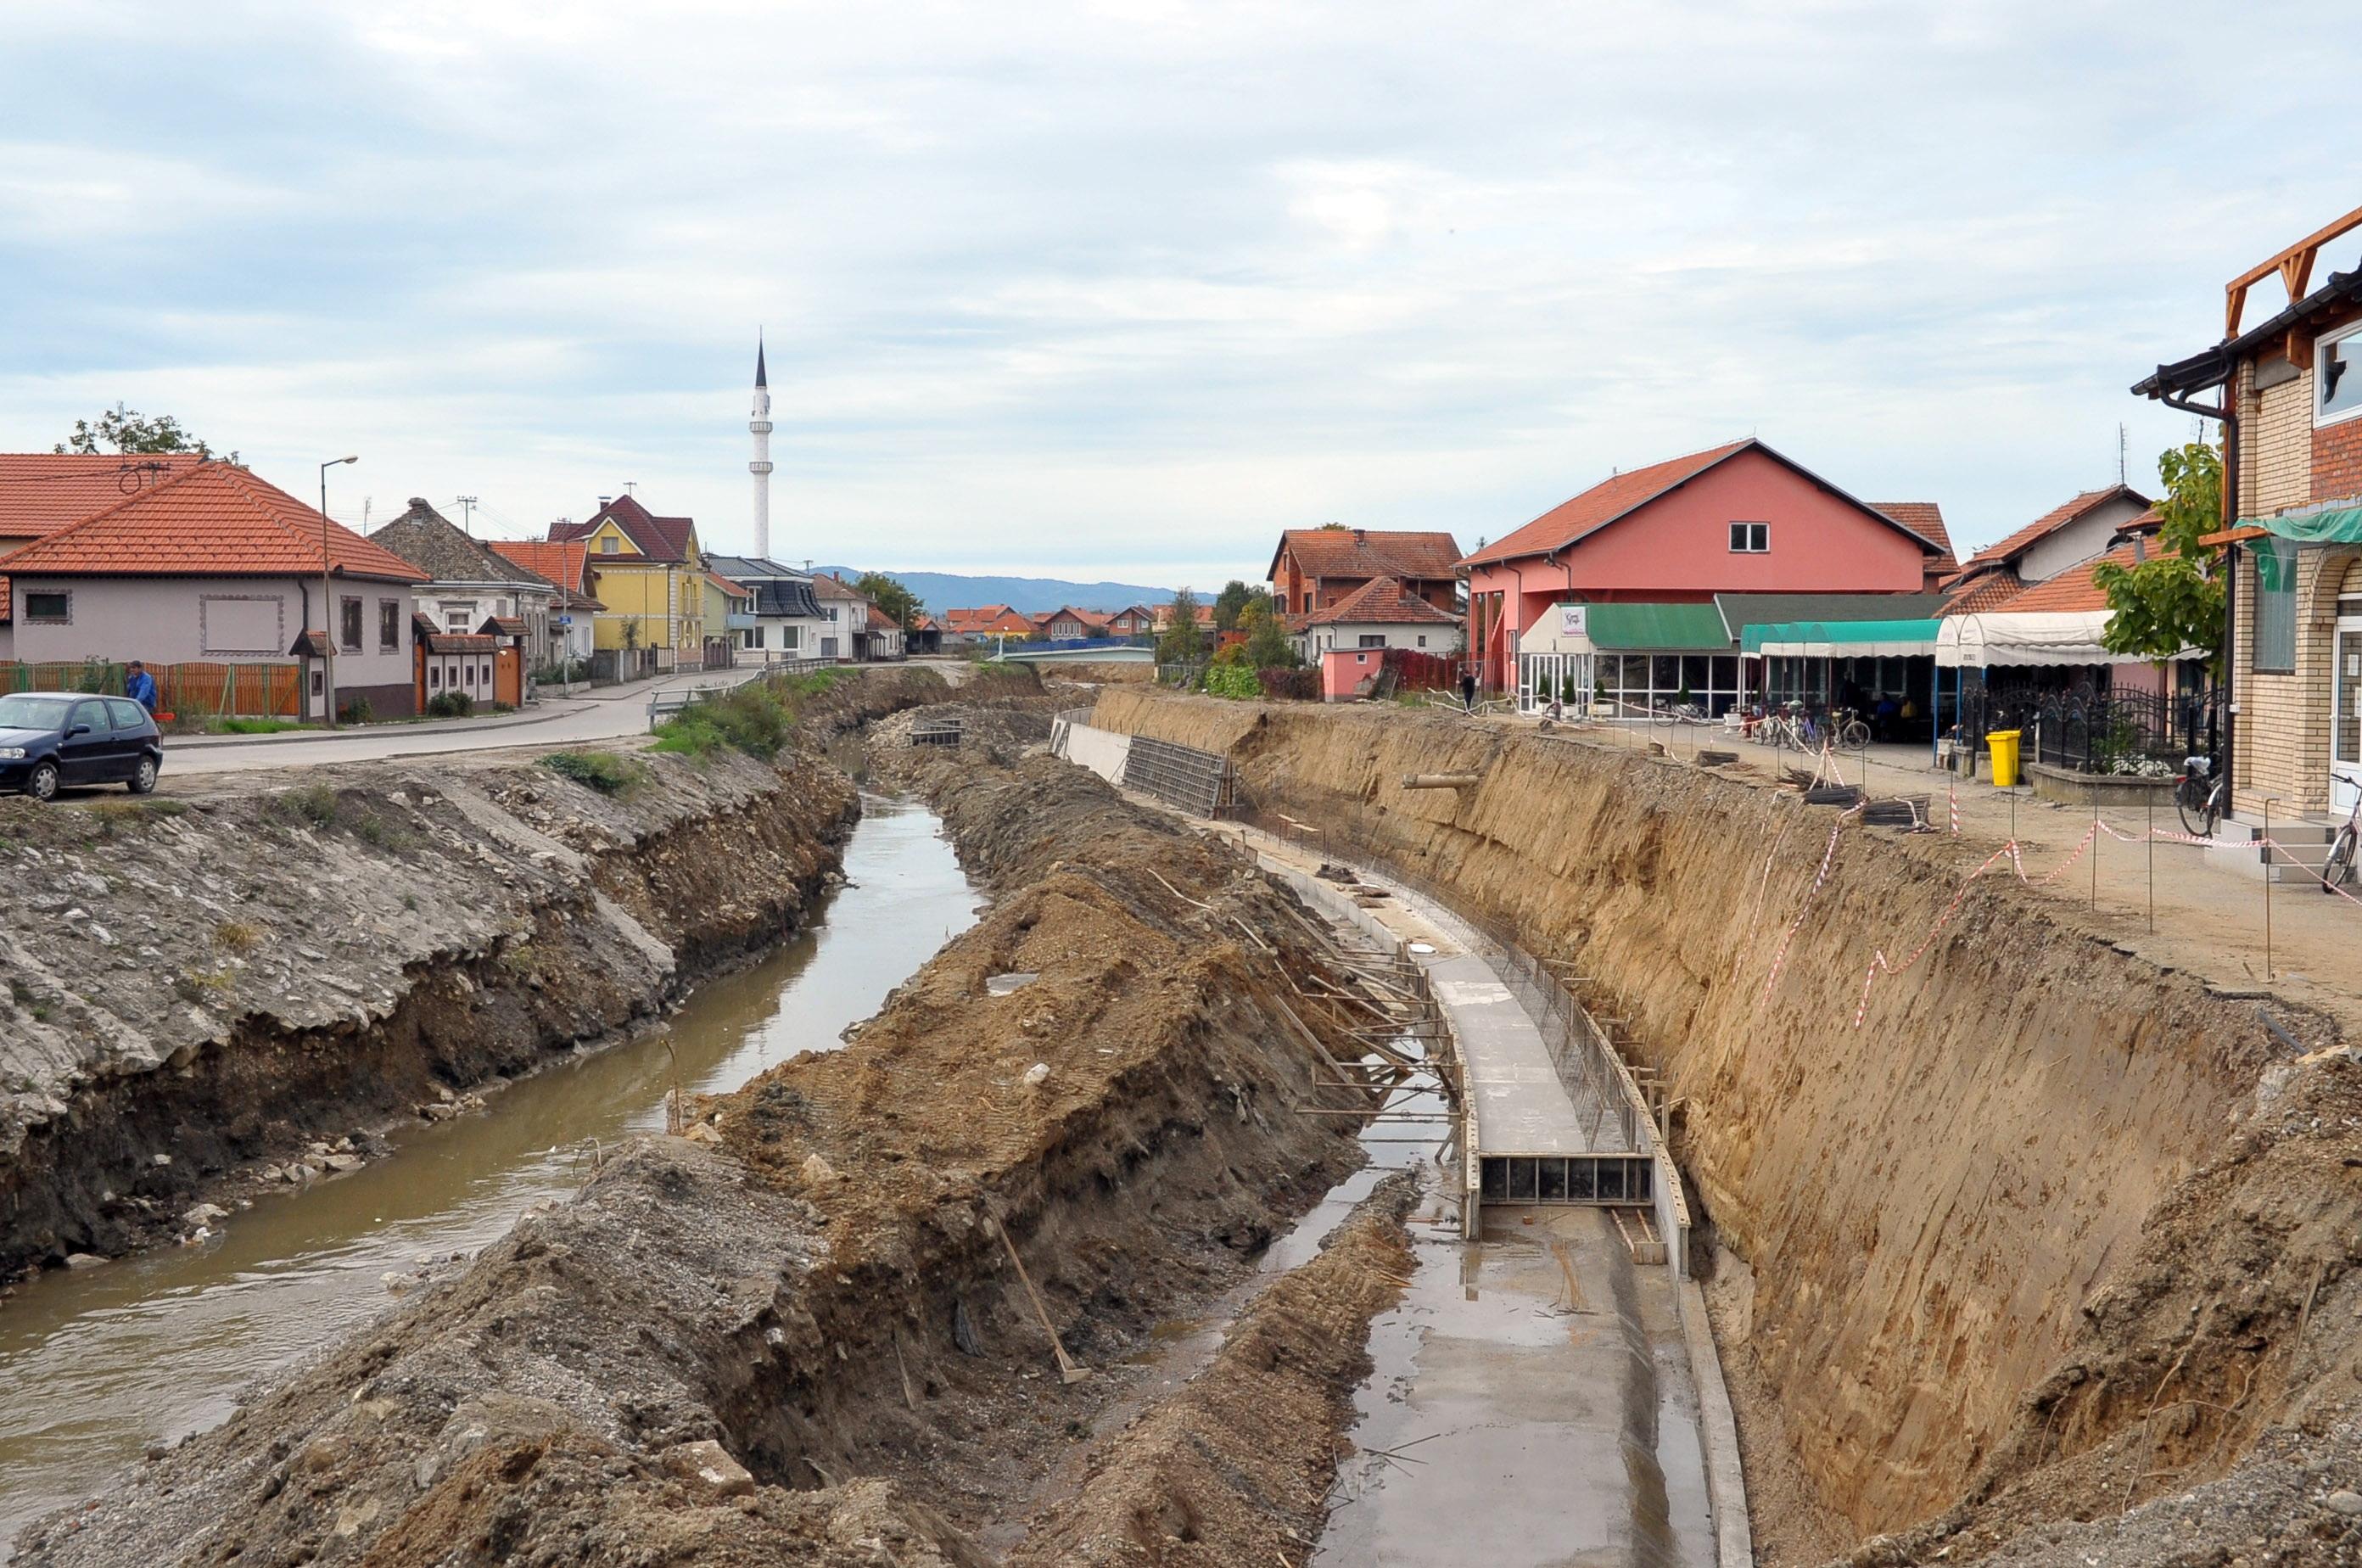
[2004, 746]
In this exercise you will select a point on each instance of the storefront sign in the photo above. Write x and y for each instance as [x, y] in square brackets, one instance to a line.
[1571, 619]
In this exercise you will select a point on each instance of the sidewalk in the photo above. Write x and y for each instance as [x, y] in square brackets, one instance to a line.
[540, 712]
[2126, 873]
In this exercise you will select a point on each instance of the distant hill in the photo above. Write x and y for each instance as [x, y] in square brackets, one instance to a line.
[940, 590]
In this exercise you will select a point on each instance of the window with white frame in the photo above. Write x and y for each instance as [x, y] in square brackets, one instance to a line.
[2337, 375]
[1750, 539]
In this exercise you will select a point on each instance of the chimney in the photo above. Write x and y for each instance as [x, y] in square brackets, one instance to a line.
[605, 502]
[418, 503]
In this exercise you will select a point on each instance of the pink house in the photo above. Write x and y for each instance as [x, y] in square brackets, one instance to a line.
[1735, 519]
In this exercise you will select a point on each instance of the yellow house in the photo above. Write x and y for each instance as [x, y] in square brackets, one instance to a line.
[651, 577]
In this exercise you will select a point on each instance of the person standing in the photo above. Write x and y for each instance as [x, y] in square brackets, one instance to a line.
[1468, 688]
[140, 687]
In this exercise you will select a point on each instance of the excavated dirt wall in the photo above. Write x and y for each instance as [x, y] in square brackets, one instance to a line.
[196, 990]
[1973, 1234]
[796, 1334]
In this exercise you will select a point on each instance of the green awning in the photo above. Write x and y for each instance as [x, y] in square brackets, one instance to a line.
[1840, 639]
[1657, 628]
[2331, 525]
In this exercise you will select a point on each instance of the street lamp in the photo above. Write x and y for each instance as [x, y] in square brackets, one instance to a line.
[327, 605]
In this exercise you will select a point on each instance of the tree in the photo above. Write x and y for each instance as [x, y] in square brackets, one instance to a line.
[1235, 596]
[1268, 645]
[1183, 641]
[2173, 600]
[901, 607]
[132, 433]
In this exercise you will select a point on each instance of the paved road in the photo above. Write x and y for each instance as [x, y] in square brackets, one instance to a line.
[614, 713]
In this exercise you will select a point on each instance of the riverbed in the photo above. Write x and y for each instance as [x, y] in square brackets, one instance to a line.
[96, 1367]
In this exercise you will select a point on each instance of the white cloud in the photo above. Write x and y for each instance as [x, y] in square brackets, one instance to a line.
[1138, 280]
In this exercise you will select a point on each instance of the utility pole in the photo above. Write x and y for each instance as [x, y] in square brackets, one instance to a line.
[468, 516]
[327, 604]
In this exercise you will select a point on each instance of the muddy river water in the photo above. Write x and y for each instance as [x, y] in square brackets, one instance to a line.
[95, 1367]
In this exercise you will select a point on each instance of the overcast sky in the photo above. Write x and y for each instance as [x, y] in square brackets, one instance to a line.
[1119, 290]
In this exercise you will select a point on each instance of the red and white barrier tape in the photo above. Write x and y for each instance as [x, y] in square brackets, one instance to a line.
[1780, 959]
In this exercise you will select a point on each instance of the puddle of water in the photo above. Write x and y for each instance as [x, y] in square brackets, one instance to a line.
[95, 1365]
[1507, 1421]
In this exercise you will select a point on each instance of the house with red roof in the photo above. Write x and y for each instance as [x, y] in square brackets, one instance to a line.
[565, 563]
[1312, 569]
[650, 577]
[212, 563]
[1066, 623]
[1662, 542]
[2075, 531]
[984, 621]
[1383, 612]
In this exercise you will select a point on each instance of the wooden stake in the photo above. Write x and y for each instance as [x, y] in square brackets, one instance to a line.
[1068, 1370]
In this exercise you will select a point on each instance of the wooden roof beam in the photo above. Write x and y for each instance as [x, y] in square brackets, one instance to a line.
[2294, 266]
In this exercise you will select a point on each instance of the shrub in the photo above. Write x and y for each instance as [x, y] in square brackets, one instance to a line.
[314, 804]
[604, 771]
[1232, 680]
[357, 711]
[752, 718]
[450, 705]
[238, 937]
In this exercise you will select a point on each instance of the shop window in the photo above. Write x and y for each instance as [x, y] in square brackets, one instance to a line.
[2275, 651]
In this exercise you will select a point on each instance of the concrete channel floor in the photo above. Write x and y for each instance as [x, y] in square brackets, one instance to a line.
[1533, 1403]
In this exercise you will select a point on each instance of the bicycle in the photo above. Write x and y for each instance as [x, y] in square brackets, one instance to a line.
[2339, 867]
[2202, 796]
[1679, 713]
[1852, 734]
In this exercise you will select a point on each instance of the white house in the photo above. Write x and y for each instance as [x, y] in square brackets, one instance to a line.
[788, 619]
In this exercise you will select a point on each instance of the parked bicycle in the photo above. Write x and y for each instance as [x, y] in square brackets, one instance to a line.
[1679, 713]
[1792, 726]
[2339, 867]
[1850, 732]
[2202, 796]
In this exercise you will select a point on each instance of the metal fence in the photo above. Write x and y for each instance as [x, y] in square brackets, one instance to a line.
[2090, 731]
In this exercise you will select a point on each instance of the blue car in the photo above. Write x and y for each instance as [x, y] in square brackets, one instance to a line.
[50, 740]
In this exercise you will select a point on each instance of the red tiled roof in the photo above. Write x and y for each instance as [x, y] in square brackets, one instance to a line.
[559, 562]
[1925, 519]
[4, 598]
[1381, 602]
[502, 626]
[735, 590]
[1367, 552]
[210, 520]
[2074, 587]
[2146, 522]
[661, 539]
[1601, 504]
[1624, 493]
[881, 622]
[828, 587]
[41, 493]
[1990, 589]
[2050, 522]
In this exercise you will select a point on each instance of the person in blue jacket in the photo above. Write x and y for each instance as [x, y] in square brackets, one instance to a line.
[140, 686]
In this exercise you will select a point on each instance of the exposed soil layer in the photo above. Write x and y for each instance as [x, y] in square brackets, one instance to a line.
[2051, 1232]
[796, 1335]
[1238, 1466]
[197, 991]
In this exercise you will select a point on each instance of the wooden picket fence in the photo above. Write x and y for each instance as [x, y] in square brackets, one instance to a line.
[191, 690]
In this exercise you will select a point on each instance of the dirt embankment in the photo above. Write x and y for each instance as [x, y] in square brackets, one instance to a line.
[2051, 1232]
[798, 1335]
[195, 991]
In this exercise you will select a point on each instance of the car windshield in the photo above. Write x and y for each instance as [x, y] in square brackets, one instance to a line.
[24, 710]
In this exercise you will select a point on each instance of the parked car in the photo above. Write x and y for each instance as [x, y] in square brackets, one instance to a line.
[51, 739]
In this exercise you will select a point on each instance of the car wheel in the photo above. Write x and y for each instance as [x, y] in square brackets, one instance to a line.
[42, 782]
[143, 777]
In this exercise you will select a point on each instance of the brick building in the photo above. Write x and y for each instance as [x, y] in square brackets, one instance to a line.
[2287, 391]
